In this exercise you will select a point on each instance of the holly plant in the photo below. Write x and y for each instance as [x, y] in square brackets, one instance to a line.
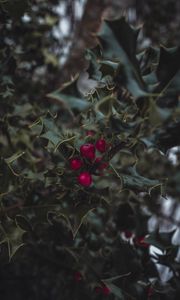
[85, 169]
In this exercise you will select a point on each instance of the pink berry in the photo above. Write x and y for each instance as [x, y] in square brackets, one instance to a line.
[88, 151]
[101, 166]
[101, 145]
[85, 179]
[77, 276]
[128, 234]
[105, 290]
[76, 163]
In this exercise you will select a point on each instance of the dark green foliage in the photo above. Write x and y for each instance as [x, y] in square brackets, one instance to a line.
[51, 227]
[161, 20]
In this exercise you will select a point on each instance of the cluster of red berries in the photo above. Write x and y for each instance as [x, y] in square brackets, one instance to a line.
[88, 159]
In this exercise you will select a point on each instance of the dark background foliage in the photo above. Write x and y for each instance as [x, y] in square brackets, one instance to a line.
[60, 240]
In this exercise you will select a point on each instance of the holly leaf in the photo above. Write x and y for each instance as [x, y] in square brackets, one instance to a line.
[161, 240]
[157, 115]
[117, 50]
[174, 86]
[105, 105]
[76, 216]
[86, 86]
[126, 37]
[169, 65]
[10, 160]
[23, 223]
[94, 67]
[52, 137]
[12, 234]
[68, 96]
[14, 157]
[70, 101]
[135, 181]
[4, 176]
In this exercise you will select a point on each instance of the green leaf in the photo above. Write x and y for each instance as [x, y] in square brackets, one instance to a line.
[36, 214]
[75, 216]
[105, 105]
[14, 157]
[161, 240]
[138, 182]
[85, 85]
[94, 66]
[68, 140]
[23, 223]
[110, 63]
[110, 280]
[52, 137]
[70, 101]
[135, 181]
[11, 234]
[4, 177]
[169, 64]
[37, 126]
[158, 115]
[114, 49]
[150, 78]
[174, 86]
[33, 176]
[126, 37]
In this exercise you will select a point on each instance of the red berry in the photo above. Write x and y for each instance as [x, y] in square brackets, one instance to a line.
[77, 276]
[101, 166]
[88, 151]
[139, 241]
[128, 234]
[76, 163]
[105, 290]
[101, 145]
[90, 133]
[150, 292]
[85, 179]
